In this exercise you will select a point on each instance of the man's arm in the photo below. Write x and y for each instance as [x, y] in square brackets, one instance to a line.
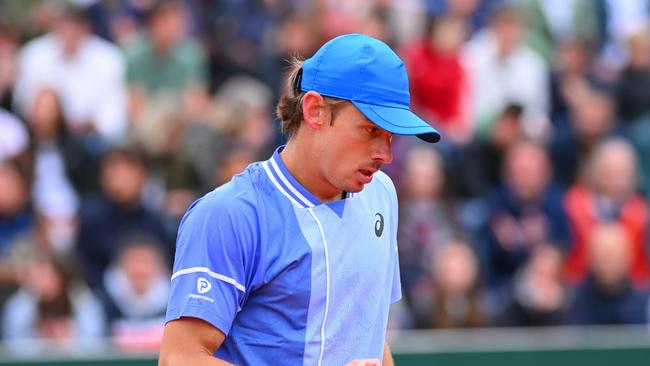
[388, 357]
[190, 341]
[388, 360]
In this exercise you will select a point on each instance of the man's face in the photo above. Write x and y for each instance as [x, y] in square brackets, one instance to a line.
[526, 171]
[142, 265]
[351, 149]
[122, 180]
[168, 27]
[71, 33]
[508, 31]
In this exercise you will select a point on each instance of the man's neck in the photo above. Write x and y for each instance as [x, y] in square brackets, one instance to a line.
[302, 163]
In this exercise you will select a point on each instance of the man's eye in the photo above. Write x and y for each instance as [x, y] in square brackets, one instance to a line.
[373, 130]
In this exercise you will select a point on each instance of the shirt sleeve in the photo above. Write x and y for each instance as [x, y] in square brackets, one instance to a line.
[215, 244]
[396, 290]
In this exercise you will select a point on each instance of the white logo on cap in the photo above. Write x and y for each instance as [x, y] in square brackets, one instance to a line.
[203, 285]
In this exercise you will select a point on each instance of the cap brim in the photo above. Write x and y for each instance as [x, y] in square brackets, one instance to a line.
[398, 121]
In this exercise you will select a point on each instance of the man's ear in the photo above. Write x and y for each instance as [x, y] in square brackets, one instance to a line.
[313, 109]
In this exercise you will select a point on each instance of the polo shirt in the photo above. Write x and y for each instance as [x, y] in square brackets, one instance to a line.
[288, 279]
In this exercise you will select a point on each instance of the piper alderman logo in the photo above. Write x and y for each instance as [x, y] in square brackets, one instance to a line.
[379, 224]
[203, 285]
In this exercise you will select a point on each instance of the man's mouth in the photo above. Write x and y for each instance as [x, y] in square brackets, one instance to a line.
[365, 175]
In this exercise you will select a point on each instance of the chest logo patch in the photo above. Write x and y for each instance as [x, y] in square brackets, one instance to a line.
[379, 224]
[203, 285]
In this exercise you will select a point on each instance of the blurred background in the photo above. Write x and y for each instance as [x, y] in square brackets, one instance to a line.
[527, 223]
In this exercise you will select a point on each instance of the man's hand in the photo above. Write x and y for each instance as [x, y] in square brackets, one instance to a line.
[388, 359]
[370, 362]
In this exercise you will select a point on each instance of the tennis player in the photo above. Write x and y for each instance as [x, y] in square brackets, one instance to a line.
[294, 261]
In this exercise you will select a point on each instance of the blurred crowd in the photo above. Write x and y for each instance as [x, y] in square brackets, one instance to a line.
[115, 115]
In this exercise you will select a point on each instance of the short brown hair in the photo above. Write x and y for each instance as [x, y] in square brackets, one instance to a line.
[289, 109]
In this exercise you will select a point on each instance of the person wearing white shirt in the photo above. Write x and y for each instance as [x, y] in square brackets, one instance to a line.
[86, 71]
[504, 70]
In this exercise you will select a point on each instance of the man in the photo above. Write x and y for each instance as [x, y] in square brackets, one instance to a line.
[497, 60]
[116, 215]
[294, 261]
[86, 71]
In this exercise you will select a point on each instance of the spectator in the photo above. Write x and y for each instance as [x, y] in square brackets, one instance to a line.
[55, 147]
[497, 61]
[438, 80]
[617, 21]
[553, 22]
[238, 32]
[572, 71]
[115, 215]
[539, 296]
[592, 119]
[17, 226]
[118, 21]
[248, 122]
[406, 19]
[239, 119]
[607, 296]
[52, 304]
[458, 301]
[608, 195]
[167, 75]
[293, 36]
[479, 168]
[427, 220]
[632, 97]
[57, 157]
[163, 60]
[526, 211]
[633, 100]
[137, 289]
[86, 71]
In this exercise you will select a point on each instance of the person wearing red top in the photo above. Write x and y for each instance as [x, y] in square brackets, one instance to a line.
[438, 81]
[607, 195]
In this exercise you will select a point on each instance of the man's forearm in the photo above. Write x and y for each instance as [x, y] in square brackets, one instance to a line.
[388, 357]
[191, 341]
[203, 360]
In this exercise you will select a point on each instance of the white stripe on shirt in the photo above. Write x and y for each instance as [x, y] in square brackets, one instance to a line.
[218, 276]
[279, 186]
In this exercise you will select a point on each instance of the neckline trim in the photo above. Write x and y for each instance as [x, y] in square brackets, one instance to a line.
[288, 185]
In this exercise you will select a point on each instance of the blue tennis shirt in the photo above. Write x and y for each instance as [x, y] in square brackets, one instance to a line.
[288, 279]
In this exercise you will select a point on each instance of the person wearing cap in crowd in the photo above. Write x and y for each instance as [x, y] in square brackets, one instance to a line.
[294, 261]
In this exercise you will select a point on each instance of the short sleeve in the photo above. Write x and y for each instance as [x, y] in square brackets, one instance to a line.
[215, 243]
[396, 292]
[396, 289]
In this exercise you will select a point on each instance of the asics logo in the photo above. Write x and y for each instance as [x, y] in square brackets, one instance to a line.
[379, 224]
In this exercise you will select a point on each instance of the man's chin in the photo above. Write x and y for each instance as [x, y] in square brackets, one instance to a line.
[356, 188]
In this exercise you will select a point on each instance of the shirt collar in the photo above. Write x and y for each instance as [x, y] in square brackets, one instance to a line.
[286, 183]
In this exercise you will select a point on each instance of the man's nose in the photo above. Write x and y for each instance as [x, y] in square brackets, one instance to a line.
[384, 150]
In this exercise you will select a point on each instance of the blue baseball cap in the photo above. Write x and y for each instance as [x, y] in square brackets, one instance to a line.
[369, 74]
